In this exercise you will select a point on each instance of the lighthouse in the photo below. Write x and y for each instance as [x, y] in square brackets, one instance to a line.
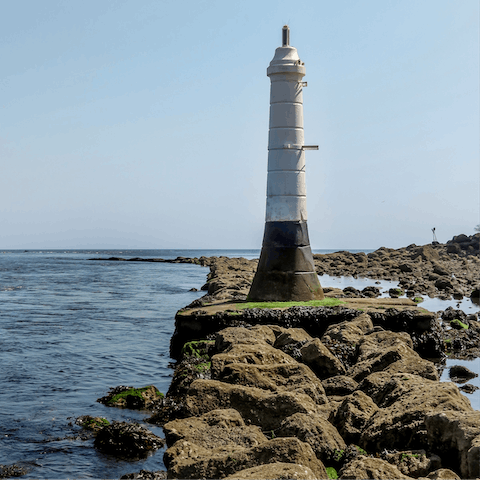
[286, 271]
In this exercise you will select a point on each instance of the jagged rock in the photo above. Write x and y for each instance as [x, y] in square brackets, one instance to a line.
[214, 429]
[468, 388]
[228, 337]
[295, 378]
[404, 402]
[390, 351]
[455, 436]
[342, 338]
[127, 440]
[340, 385]
[189, 461]
[292, 336]
[319, 358]
[414, 463]
[353, 415]
[366, 467]
[315, 430]
[274, 471]
[258, 354]
[257, 406]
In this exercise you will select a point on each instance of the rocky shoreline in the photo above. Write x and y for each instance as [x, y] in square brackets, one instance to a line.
[325, 392]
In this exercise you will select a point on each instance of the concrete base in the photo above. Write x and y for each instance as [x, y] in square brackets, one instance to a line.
[286, 271]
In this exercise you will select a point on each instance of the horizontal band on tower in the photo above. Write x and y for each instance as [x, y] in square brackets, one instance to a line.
[286, 234]
[286, 259]
[285, 286]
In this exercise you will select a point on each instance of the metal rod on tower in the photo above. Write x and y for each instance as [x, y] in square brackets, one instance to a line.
[285, 36]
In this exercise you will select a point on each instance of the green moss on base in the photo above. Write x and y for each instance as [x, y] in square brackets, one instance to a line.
[326, 302]
[196, 348]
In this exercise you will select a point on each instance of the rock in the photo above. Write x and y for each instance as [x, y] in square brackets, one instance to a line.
[257, 354]
[9, 471]
[130, 397]
[468, 388]
[353, 415]
[460, 374]
[319, 358]
[475, 294]
[292, 336]
[388, 351]
[127, 440]
[340, 385]
[404, 402]
[413, 463]
[315, 430]
[365, 467]
[214, 429]
[455, 436]
[228, 337]
[274, 471]
[295, 378]
[371, 292]
[443, 474]
[188, 461]
[256, 406]
[92, 423]
[145, 475]
[443, 283]
[342, 338]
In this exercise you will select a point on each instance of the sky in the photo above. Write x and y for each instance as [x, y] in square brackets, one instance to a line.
[144, 124]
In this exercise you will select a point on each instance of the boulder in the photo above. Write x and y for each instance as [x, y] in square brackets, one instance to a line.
[315, 430]
[414, 463]
[240, 335]
[342, 338]
[353, 415]
[340, 385]
[273, 471]
[127, 440]
[443, 474]
[258, 354]
[319, 358]
[455, 436]
[189, 461]
[256, 406]
[295, 378]
[390, 351]
[214, 429]
[366, 467]
[461, 374]
[404, 402]
[292, 336]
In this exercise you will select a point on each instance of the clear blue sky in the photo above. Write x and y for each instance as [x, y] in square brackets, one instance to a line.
[143, 124]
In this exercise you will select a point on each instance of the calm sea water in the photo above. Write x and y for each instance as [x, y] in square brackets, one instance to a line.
[71, 328]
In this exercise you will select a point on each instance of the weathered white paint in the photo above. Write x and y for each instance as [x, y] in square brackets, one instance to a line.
[286, 193]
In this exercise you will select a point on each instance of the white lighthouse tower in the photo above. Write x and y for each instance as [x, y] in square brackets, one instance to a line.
[286, 270]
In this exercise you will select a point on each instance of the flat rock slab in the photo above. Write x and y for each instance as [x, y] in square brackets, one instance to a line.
[366, 304]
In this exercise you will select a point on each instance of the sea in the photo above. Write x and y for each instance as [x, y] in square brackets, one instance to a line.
[71, 328]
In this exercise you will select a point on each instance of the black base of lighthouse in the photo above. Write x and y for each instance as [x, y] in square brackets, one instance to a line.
[286, 271]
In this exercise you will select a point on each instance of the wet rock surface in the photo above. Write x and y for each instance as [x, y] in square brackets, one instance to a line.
[127, 440]
[12, 471]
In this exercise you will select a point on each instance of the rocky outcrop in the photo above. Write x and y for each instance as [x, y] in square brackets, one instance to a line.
[366, 467]
[456, 437]
[127, 440]
[189, 461]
